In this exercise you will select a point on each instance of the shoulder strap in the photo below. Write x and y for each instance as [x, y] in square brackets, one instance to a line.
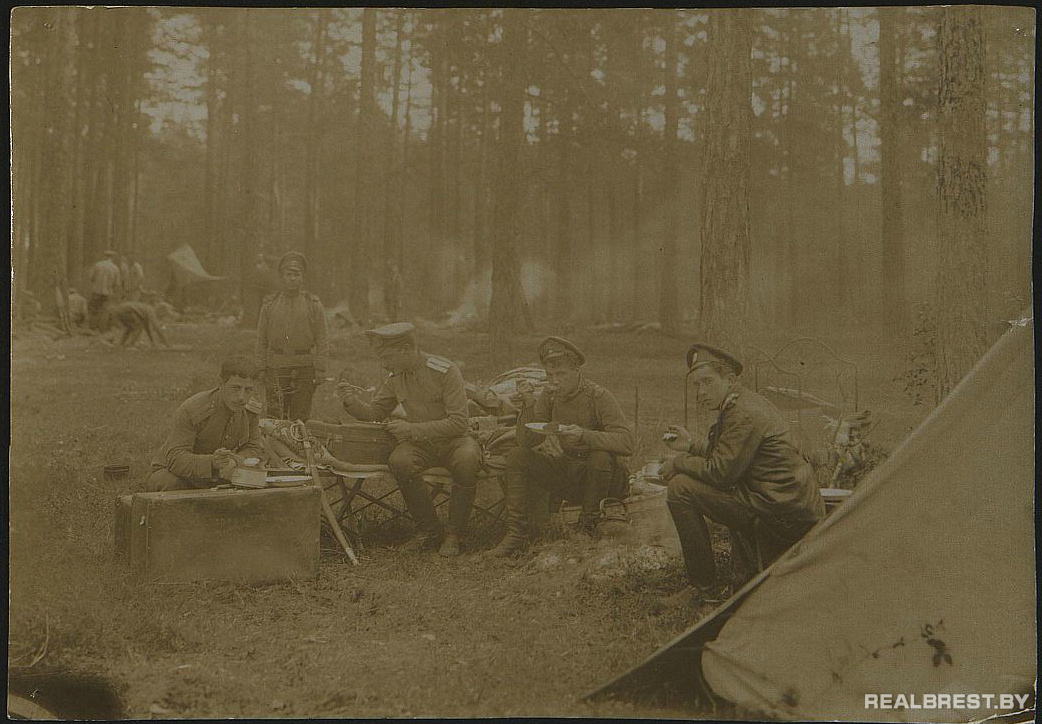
[438, 364]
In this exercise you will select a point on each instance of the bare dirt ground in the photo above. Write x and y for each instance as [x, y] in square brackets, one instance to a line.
[400, 635]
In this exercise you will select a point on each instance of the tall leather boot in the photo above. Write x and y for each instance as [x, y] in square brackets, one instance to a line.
[516, 539]
[419, 504]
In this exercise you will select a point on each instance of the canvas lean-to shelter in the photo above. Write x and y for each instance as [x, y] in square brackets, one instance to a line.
[186, 271]
[922, 582]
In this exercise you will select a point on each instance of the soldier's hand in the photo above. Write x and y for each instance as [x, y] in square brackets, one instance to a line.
[525, 395]
[677, 438]
[571, 435]
[668, 470]
[225, 461]
[222, 456]
[346, 392]
[402, 430]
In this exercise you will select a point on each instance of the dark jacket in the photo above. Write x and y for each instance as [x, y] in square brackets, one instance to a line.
[202, 424]
[752, 452]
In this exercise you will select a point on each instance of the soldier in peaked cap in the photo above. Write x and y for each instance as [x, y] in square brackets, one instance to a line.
[292, 342]
[581, 462]
[433, 433]
[748, 475]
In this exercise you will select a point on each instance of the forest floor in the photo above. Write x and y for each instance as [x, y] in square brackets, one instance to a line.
[400, 635]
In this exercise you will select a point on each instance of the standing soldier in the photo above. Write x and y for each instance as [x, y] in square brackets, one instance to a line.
[105, 286]
[434, 431]
[292, 343]
[580, 462]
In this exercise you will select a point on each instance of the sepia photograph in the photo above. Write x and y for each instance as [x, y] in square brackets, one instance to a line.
[400, 362]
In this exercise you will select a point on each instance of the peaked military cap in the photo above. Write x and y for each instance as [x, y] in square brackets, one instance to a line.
[554, 347]
[391, 334]
[293, 259]
[699, 355]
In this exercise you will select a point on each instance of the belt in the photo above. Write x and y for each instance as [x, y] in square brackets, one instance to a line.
[279, 350]
[577, 454]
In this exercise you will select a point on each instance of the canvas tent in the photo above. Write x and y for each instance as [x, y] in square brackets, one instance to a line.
[922, 582]
[186, 271]
[186, 268]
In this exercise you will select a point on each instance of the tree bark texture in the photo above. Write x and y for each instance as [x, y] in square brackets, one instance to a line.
[724, 282]
[961, 192]
[362, 243]
[508, 309]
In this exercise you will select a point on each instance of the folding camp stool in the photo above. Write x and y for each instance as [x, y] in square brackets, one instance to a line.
[438, 479]
[833, 498]
[351, 499]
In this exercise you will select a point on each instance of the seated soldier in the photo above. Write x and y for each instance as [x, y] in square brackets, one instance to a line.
[748, 475]
[433, 433]
[580, 463]
[213, 431]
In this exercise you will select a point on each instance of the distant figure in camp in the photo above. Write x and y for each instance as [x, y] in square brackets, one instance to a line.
[292, 342]
[577, 456]
[77, 308]
[135, 280]
[133, 318]
[124, 278]
[748, 475]
[105, 286]
[434, 431]
[165, 311]
[212, 432]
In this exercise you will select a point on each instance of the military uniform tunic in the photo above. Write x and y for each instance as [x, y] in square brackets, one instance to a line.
[434, 398]
[432, 394]
[587, 473]
[592, 408]
[293, 348]
[752, 453]
[750, 477]
[201, 425]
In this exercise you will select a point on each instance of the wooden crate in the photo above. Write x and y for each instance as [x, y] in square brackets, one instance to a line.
[247, 536]
[122, 528]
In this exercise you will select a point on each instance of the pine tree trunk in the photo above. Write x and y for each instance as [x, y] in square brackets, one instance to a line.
[480, 242]
[393, 189]
[406, 135]
[668, 312]
[362, 243]
[724, 283]
[249, 167]
[319, 280]
[891, 195]
[508, 309]
[961, 190]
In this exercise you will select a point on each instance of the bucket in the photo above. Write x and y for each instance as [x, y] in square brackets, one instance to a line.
[116, 473]
[362, 443]
[648, 516]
